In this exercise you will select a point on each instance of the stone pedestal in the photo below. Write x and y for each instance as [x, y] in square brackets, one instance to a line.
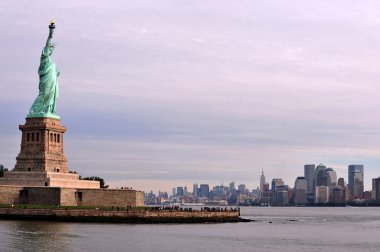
[42, 146]
[41, 161]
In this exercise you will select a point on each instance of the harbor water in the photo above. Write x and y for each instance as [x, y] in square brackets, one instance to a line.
[272, 229]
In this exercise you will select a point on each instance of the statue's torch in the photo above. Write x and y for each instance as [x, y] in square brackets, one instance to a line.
[52, 25]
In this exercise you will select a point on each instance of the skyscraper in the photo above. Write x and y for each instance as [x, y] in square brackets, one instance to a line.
[321, 176]
[179, 191]
[331, 177]
[262, 181]
[341, 182]
[376, 188]
[276, 182]
[356, 180]
[195, 190]
[204, 190]
[300, 188]
[309, 170]
[232, 186]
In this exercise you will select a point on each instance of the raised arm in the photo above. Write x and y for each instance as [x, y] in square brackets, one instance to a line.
[51, 31]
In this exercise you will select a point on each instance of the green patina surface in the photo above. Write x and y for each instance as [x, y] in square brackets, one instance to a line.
[45, 103]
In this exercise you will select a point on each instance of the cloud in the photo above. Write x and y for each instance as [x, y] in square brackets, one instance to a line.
[203, 91]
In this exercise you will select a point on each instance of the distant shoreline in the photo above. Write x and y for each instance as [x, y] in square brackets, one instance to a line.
[121, 216]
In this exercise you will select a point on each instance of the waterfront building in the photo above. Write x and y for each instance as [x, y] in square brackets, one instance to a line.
[276, 182]
[309, 171]
[376, 188]
[266, 197]
[282, 195]
[338, 195]
[322, 194]
[300, 191]
[356, 181]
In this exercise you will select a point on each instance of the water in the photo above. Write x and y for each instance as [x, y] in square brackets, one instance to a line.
[292, 229]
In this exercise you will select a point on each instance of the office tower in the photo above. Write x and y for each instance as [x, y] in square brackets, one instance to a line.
[232, 186]
[322, 194]
[179, 191]
[262, 181]
[204, 190]
[195, 190]
[282, 195]
[356, 180]
[376, 188]
[241, 188]
[300, 189]
[331, 177]
[185, 192]
[341, 182]
[338, 195]
[266, 187]
[320, 176]
[309, 171]
[174, 192]
[276, 182]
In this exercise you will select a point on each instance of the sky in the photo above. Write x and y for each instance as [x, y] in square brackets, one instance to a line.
[159, 94]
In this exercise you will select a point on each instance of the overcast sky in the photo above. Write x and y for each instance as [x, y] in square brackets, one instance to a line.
[159, 94]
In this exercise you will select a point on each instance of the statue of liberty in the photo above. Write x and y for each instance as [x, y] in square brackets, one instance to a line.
[45, 103]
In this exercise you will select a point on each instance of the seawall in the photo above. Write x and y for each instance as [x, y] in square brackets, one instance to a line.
[122, 216]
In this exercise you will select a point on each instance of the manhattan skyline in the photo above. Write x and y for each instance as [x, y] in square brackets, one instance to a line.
[206, 91]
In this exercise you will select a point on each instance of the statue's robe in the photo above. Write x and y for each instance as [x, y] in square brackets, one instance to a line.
[45, 102]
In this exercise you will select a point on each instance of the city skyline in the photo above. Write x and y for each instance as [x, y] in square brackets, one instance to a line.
[177, 94]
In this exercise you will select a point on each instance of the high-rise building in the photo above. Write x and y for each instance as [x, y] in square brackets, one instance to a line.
[376, 188]
[241, 188]
[341, 182]
[322, 194]
[320, 176]
[232, 186]
[262, 181]
[338, 195]
[309, 170]
[185, 192]
[204, 190]
[282, 195]
[174, 192]
[195, 190]
[300, 189]
[356, 181]
[276, 182]
[179, 191]
[331, 177]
